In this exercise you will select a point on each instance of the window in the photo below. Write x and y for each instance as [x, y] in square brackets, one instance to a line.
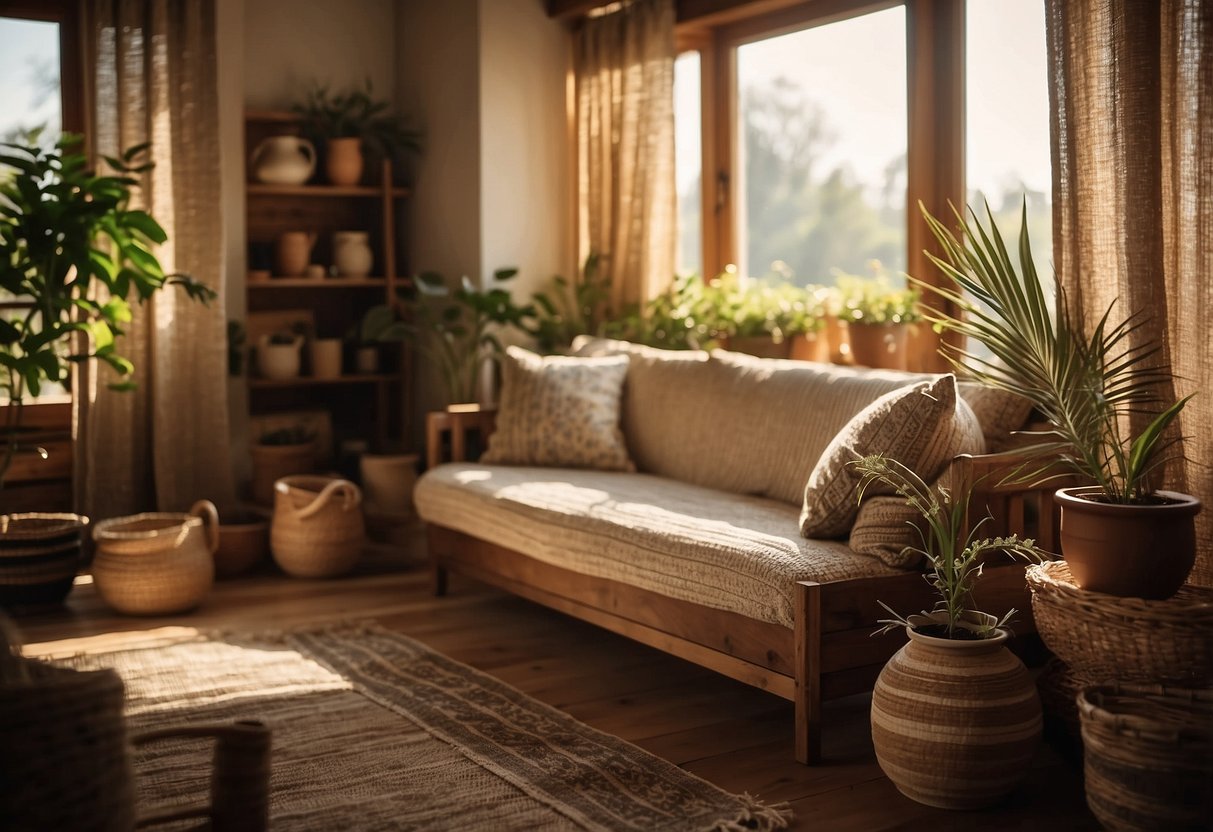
[1007, 121]
[688, 163]
[821, 149]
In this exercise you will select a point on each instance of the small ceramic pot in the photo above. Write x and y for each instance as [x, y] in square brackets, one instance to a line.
[326, 358]
[279, 361]
[343, 161]
[283, 160]
[366, 360]
[352, 253]
[293, 252]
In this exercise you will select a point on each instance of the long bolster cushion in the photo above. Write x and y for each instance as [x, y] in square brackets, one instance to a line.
[738, 553]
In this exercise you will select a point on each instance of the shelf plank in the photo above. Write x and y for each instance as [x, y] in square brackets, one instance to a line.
[261, 189]
[308, 381]
[321, 283]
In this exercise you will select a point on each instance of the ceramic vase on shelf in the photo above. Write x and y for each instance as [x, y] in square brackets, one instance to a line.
[343, 161]
[352, 253]
[279, 360]
[955, 722]
[326, 358]
[293, 252]
[283, 160]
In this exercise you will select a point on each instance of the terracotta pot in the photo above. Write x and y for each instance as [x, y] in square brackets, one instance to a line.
[343, 161]
[837, 339]
[955, 723]
[273, 462]
[387, 482]
[811, 346]
[878, 345]
[1136, 551]
[244, 541]
[292, 252]
[761, 346]
[326, 358]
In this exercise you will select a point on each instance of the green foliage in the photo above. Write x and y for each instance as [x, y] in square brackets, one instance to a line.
[571, 308]
[1088, 386]
[955, 563]
[355, 114]
[66, 232]
[875, 300]
[457, 327]
[682, 318]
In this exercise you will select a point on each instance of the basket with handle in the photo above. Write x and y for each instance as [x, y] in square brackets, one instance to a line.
[157, 563]
[318, 529]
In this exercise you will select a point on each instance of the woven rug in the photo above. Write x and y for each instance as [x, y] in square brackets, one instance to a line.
[374, 730]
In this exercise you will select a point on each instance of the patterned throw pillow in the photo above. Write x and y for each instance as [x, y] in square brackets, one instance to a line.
[885, 527]
[923, 426]
[560, 412]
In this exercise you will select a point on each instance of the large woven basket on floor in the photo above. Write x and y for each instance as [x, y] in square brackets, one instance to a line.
[39, 557]
[156, 563]
[1149, 756]
[318, 529]
[1109, 638]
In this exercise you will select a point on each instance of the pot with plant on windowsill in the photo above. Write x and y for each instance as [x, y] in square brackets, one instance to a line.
[1120, 534]
[878, 316]
[955, 715]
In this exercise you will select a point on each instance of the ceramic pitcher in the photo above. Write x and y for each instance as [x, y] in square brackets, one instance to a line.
[293, 251]
[283, 160]
[352, 253]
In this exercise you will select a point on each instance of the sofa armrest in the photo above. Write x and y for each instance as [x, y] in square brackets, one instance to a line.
[1013, 508]
[447, 431]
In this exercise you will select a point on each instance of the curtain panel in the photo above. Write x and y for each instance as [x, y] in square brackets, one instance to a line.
[1131, 89]
[627, 198]
[152, 78]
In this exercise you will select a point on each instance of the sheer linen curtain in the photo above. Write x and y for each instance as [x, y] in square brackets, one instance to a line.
[1131, 88]
[165, 444]
[627, 198]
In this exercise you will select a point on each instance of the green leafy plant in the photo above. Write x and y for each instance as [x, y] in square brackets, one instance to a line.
[355, 114]
[875, 300]
[65, 233]
[1087, 386]
[571, 308]
[758, 309]
[684, 317]
[955, 561]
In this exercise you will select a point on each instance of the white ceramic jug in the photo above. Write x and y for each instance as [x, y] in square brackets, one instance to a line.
[279, 361]
[283, 160]
[352, 253]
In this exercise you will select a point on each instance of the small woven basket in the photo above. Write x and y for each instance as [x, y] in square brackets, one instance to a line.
[318, 529]
[1059, 687]
[1149, 756]
[244, 541]
[39, 557]
[1109, 638]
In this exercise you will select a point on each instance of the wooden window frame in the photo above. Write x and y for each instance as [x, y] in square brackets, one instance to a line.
[935, 139]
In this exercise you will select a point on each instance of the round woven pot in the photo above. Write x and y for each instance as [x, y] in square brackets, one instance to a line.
[1149, 757]
[318, 529]
[40, 555]
[1109, 638]
[273, 462]
[66, 764]
[157, 563]
[955, 723]
[1137, 551]
[244, 541]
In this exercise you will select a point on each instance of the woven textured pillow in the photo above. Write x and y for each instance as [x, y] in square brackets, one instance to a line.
[923, 426]
[560, 412]
[998, 411]
[884, 528]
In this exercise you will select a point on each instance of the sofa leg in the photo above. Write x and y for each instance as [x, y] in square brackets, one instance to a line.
[438, 580]
[808, 673]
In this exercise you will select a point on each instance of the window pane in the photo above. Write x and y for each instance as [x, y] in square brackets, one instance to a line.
[30, 94]
[688, 163]
[822, 150]
[1007, 121]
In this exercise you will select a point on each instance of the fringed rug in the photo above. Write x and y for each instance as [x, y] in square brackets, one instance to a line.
[373, 730]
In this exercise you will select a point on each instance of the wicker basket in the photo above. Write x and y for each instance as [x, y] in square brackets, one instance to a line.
[1109, 638]
[244, 541]
[1059, 687]
[318, 529]
[65, 763]
[39, 557]
[156, 564]
[1149, 756]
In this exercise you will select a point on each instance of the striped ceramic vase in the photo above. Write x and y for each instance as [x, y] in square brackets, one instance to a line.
[955, 723]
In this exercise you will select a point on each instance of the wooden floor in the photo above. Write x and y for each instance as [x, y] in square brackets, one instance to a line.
[735, 736]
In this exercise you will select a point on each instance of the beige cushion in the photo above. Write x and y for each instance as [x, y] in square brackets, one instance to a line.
[998, 411]
[729, 552]
[560, 411]
[885, 527]
[734, 422]
[923, 426]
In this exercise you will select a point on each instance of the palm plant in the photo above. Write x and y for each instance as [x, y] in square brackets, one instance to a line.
[955, 560]
[65, 232]
[1088, 387]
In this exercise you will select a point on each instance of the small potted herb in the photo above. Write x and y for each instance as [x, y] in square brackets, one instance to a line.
[877, 315]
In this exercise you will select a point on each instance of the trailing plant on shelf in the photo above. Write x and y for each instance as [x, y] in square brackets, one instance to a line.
[67, 231]
[955, 562]
[1091, 385]
[355, 114]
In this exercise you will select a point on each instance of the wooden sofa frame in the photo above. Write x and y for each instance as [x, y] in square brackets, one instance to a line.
[829, 653]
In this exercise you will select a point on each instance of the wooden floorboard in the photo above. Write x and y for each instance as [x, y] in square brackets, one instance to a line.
[735, 736]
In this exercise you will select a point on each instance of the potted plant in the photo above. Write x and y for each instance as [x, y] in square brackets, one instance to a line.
[571, 308]
[877, 315]
[758, 318]
[65, 233]
[279, 453]
[1120, 535]
[955, 715]
[349, 122]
